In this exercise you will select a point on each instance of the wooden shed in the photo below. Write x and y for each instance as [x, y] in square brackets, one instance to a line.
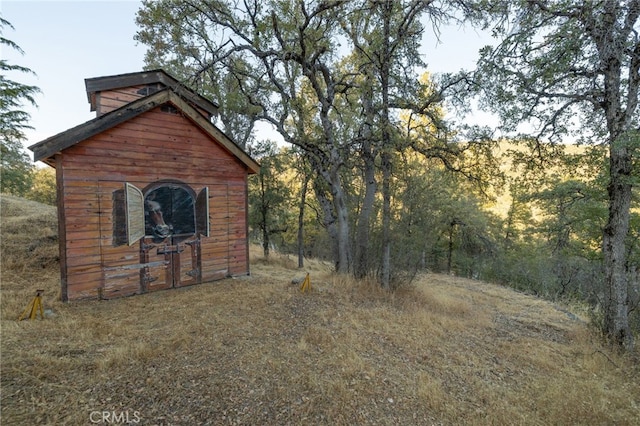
[151, 194]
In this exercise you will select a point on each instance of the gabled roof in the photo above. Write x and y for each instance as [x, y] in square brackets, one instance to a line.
[46, 149]
[99, 84]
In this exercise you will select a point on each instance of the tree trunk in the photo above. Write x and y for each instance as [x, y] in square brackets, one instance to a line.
[265, 243]
[385, 275]
[329, 219]
[361, 262]
[343, 265]
[385, 278]
[450, 249]
[264, 210]
[616, 315]
[303, 200]
[611, 44]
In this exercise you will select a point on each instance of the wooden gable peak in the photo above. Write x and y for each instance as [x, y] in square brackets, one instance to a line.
[45, 150]
[153, 81]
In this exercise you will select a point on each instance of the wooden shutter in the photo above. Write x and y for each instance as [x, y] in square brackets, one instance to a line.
[202, 212]
[134, 203]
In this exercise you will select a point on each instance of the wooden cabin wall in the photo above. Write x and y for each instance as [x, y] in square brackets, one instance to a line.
[151, 147]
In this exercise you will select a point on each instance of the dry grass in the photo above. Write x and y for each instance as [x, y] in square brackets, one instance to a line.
[258, 351]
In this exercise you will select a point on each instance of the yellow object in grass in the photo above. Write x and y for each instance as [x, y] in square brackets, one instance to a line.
[306, 284]
[34, 307]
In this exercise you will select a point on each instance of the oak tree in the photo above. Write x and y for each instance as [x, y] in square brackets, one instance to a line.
[573, 68]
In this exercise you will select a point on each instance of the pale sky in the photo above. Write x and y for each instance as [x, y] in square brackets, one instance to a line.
[67, 41]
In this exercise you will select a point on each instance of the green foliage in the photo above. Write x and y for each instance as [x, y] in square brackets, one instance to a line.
[439, 224]
[269, 196]
[381, 157]
[15, 168]
[283, 62]
[571, 68]
[43, 187]
[13, 121]
[15, 177]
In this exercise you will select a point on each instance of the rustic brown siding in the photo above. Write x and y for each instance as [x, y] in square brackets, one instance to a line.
[109, 100]
[154, 146]
[62, 226]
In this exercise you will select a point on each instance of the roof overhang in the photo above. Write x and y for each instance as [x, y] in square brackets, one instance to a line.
[46, 150]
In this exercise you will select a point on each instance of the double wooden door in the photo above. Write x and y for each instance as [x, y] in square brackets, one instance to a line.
[170, 262]
[166, 221]
[150, 239]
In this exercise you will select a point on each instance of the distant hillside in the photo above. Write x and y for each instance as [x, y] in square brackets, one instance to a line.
[504, 151]
[29, 234]
[30, 256]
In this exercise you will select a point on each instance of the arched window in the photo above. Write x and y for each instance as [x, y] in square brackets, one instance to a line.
[169, 210]
[163, 209]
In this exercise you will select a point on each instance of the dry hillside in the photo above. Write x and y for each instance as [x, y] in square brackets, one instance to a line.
[258, 351]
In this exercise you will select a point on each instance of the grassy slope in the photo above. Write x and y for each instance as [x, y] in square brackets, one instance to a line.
[257, 351]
